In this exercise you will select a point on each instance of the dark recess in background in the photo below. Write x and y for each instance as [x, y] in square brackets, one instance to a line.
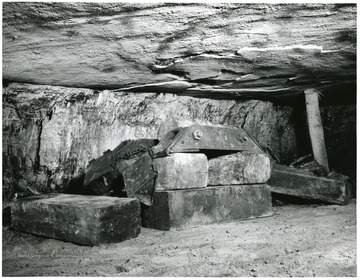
[339, 122]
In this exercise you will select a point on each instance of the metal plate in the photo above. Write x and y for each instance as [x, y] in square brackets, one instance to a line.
[98, 168]
[139, 179]
[198, 137]
[102, 174]
[133, 149]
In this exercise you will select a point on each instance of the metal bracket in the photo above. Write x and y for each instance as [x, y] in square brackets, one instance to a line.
[197, 137]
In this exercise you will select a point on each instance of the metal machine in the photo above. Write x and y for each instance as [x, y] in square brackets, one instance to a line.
[112, 170]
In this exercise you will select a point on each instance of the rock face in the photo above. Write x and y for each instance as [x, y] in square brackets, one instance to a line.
[243, 50]
[101, 60]
[51, 133]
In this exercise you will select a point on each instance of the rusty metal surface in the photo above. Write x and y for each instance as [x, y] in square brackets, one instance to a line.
[139, 179]
[132, 149]
[102, 173]
[198, 137]
[99, 168]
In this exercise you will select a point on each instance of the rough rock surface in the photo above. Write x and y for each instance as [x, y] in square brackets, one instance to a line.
[51, 133]
[239, 168]
[201, 49]
[333, 188]
[194, 207]
[297, 241]
[181, 171]
[82, 219]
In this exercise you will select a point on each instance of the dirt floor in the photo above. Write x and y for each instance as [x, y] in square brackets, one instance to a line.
[298, 241]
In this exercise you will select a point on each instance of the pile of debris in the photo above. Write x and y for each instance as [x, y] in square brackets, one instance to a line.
[193, 176]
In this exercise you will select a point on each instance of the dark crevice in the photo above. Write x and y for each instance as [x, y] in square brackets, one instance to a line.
[342, 94]
[283, 199]
[173, 60]
[37, 157]
[216, 153]
[244, 119]
[233, 72]
[207, 81]
[6, 83]
[179, 73]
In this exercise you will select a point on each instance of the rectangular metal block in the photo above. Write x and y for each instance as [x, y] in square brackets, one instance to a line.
[81, 219]
[302, 183]
[239, 168]
[181, 171]
[193, 207]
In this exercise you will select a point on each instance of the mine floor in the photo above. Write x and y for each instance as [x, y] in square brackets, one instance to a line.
[298, 241]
